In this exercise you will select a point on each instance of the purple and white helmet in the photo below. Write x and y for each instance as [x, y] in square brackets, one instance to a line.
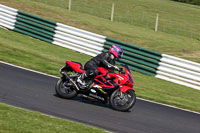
[117, 51]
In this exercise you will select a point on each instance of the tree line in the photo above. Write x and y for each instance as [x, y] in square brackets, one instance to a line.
[195, 2]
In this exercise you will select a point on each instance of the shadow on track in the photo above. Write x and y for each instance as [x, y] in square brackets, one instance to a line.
[89, 101]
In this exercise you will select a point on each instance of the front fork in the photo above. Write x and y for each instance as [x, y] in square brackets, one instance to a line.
[121, 94]
[122, 98]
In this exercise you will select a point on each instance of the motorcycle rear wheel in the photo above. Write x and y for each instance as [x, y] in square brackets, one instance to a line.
[65, 91]
[122, 101]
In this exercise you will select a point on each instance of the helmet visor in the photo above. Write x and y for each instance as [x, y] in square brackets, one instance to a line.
[120, 54]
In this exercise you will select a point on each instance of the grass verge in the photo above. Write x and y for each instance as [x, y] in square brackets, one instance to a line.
[175, 45]
[16, 120]
[175, 18]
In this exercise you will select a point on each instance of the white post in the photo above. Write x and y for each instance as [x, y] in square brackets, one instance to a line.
[156, 25]
[69, 7]
[112, 13]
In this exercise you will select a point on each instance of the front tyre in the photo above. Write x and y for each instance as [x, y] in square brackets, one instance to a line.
[65, 89]
[122, 101]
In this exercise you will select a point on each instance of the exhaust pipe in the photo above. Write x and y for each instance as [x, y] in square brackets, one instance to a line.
[68, 78]
[65, 75]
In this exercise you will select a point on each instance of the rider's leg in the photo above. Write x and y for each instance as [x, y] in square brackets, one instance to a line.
[81, 79]
[91, 72]
[91, 75]
[91, 69]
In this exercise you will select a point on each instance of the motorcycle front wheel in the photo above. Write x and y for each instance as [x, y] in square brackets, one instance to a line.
[122, 101]
[65, 89]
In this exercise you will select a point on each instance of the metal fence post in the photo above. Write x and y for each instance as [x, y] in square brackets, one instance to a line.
[156, 25]
[69, 6]
[112, 13]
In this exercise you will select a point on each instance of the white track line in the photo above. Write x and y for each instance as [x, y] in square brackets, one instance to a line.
[28, 69]
[137, 97]
[168, 106]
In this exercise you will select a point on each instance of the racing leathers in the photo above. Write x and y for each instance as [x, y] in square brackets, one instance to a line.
[102, 60]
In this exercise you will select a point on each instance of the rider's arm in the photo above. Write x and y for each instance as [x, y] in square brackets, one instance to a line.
[107, 64]
[105, 60]
[111, 64]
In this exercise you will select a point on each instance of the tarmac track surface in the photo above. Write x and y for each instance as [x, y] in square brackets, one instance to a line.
[36, 92]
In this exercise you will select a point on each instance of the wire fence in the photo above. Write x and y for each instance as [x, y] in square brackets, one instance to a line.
[133, 15]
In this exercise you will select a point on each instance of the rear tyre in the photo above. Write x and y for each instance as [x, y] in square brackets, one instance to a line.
[122, 101]
[65, 89]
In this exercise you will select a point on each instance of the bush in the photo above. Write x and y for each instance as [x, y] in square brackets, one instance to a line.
[195, 2]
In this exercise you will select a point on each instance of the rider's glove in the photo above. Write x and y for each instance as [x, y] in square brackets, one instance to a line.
[116, 68]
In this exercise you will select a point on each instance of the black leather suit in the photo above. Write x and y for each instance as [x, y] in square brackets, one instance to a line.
[101, 60]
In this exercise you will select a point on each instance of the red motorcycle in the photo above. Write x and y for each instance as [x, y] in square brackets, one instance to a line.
[107, 87]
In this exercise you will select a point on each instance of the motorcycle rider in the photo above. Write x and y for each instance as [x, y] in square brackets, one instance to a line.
[105, 59]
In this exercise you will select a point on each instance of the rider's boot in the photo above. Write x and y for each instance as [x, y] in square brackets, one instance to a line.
[81, 80]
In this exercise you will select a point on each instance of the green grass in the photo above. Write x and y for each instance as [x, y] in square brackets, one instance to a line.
[175, 18]
[16, 120]
[34, 54]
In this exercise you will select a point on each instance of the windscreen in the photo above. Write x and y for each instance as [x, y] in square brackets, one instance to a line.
[129, 74]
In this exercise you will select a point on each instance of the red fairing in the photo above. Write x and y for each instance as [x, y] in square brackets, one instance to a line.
[125, 88]
[123, 80]
[75, 66]
[102, 70]
[108, 85]
[128, 73]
